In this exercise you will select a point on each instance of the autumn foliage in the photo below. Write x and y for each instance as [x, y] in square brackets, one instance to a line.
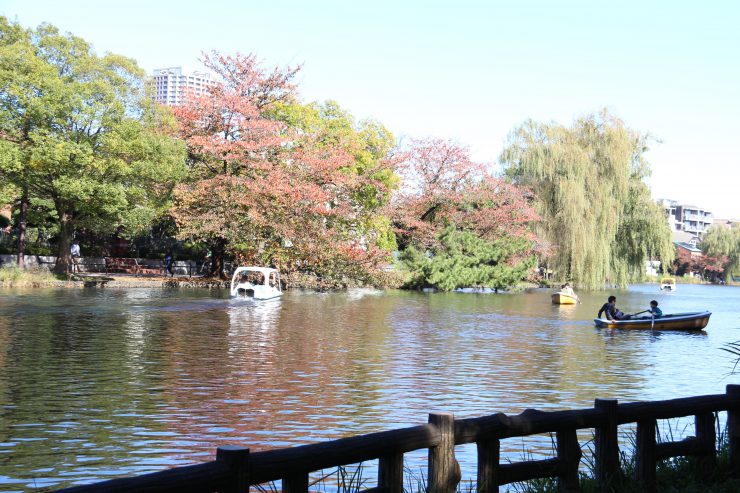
[252, 174]
[267, 191]
[443, 186]
[460, 225]
[708, 267]
[301, 187]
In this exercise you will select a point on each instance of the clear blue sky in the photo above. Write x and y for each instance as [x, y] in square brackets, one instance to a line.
[472, 70]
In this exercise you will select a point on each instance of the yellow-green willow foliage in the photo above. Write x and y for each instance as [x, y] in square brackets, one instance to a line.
[597, 214]
[720, 241]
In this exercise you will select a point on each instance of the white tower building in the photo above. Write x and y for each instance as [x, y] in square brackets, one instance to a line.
[171, 85]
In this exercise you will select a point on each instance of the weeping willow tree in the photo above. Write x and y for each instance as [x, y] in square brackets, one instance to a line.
[596, 209]
[719, 241]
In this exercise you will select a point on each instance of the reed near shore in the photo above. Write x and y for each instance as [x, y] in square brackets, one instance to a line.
[236, 468]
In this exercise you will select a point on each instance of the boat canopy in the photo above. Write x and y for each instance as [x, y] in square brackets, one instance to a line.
[256, 282]
[258, 276]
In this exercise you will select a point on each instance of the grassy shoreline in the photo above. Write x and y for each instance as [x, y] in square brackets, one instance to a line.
[13, 277]
[674, 475]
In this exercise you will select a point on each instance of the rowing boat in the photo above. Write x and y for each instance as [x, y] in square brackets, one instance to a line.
[561, 298]
[676, 321]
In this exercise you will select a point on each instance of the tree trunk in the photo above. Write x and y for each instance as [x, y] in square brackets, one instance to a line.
[22, 217]
[64, 257]
[218, 252]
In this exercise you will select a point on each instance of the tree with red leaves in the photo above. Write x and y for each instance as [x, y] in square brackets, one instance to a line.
[233, 151]
[444, 188]
[443, 185]
[710, 268]
[265, 189]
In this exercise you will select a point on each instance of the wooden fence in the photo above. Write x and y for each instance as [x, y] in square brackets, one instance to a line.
[235, 468]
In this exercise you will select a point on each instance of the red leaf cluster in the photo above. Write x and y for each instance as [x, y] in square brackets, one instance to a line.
[443, 185]
[708, 267]
[261, 185]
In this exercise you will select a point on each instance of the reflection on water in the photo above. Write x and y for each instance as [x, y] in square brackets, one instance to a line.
[102, 383]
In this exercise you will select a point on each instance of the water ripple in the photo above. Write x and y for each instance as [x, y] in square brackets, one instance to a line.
[103, 383]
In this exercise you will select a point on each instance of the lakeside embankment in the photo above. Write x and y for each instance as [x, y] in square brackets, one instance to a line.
[44, 279]
[38, 275]
[92, 271]
[113, 281]
[16, 278]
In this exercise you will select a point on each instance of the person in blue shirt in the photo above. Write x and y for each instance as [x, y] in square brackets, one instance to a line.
[654, 310]
[168, 259]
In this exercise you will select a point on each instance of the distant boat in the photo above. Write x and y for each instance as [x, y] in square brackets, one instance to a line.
[561, 298]
[676, 321]
[260, 283]
[667, 284]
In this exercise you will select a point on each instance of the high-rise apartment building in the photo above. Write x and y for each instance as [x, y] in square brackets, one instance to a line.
[171, 85]
[688, 218]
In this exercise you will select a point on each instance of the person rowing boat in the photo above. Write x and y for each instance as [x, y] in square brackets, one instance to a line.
[654, 312]
[567, 289]
[610, 310]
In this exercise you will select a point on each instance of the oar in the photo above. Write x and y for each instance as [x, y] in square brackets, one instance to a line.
[652, 318]
[638, 313]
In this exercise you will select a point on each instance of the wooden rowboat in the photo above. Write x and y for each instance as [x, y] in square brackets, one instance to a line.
[676, 321]
[564, 299]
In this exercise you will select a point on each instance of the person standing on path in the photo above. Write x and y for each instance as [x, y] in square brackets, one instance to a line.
[168, 260]
[74, 251]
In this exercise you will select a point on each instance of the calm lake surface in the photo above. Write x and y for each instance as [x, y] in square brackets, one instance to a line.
[101, 383]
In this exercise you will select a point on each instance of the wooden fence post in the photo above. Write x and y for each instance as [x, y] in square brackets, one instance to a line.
[569, 456]
[733, 427]
[607, 445]
[645, 460]
[296, 484]
[237, 458]
[390, 473]
[705, 432]
[444, 471]
[489, 452]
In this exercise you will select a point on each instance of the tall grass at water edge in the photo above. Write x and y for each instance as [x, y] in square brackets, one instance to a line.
[675, 475]
[354, 478]
[15, 276]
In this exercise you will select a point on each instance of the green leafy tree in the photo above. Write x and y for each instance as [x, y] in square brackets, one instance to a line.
[597, 214]
[234, 187]
[720, 241]
[79, 130]
[464, 259]
[279, 183]
[369, 144]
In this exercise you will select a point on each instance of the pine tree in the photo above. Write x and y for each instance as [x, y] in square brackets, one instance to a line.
[463, 259]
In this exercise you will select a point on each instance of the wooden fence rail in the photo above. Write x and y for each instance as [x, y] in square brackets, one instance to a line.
[235, 468]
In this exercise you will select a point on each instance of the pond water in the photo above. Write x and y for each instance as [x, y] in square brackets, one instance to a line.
[101, 383]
